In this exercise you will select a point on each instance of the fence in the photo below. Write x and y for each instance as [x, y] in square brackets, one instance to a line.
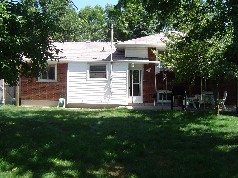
[7, 93]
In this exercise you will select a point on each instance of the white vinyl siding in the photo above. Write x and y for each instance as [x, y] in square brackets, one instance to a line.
[83, 90]
[119, 83]
[136, 52]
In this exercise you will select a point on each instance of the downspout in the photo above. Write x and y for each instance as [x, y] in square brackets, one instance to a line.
[111, 40]
[111, 62]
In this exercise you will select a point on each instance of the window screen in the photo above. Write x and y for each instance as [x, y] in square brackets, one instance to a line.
[97, 71]
[49, 74]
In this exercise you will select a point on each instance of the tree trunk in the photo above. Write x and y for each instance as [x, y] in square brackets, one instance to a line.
[216, 97]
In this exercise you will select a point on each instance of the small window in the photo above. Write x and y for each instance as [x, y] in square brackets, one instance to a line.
[49, 74]
[160, 52]
[98, 71]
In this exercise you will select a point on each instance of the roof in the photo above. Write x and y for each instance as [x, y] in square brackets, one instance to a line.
[85, 51]
[147, 41]
[101, 51]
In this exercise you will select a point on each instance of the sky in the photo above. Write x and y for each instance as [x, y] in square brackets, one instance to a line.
[82, 3]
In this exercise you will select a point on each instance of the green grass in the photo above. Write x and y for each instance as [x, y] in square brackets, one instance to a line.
[36, 142]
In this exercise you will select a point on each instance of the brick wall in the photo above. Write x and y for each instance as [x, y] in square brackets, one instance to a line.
[149, 79]
[31, 89]
[195, 87]
[161, 82]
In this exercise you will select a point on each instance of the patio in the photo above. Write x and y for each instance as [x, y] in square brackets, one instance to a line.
[199, 93]
[166, 107]
[197, 102]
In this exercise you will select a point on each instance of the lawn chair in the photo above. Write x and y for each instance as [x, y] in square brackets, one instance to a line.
[222, 101]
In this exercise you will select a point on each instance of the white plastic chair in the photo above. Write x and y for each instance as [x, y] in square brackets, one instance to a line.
[222, 101]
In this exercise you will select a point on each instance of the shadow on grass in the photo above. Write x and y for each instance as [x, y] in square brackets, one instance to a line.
[116, 143]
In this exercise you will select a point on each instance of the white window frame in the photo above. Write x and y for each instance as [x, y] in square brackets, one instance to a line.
[97, 64]
[49, 80]
[159, 51]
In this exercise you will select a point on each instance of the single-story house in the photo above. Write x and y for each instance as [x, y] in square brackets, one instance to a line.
[97, 73]
[106, 74]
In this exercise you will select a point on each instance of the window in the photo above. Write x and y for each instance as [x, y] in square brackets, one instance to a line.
[160, 52]
[49, 74]
[98, 71]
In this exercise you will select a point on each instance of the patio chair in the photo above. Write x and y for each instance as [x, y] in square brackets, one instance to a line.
[222, 101]
[191, 101]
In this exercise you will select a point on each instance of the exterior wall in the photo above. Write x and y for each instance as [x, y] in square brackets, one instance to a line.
[136, 52]
[149, 79]
[195, 88]
[119, 84]
[231, 88]
[39, 103]
[82, 90]
[161, 80]
[34, 92]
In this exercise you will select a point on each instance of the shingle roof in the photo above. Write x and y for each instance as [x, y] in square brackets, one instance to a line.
[101, 51]
[147, 41]
[85, 51]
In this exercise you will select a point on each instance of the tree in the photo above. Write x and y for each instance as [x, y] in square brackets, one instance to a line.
[131, 20]
[26, 29]
[206, 44]
[93, 23]
[88, 24]
[70, 25]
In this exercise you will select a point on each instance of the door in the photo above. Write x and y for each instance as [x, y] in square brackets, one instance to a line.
[135, 86]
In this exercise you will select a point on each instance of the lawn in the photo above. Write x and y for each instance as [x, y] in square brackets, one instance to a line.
[37, 142]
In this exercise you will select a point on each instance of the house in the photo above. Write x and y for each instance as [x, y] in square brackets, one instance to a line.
[97, 73]
[102, 74]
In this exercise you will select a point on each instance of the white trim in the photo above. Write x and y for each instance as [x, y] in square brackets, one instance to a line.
[136, 99]
[46, 80]
[67, 87]
[161, 46]
[138, 61]
[84, 61]
[127, 60]
[136, 53]
[97, 79]
[49, 80]
[128, 84]
[160, 96]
